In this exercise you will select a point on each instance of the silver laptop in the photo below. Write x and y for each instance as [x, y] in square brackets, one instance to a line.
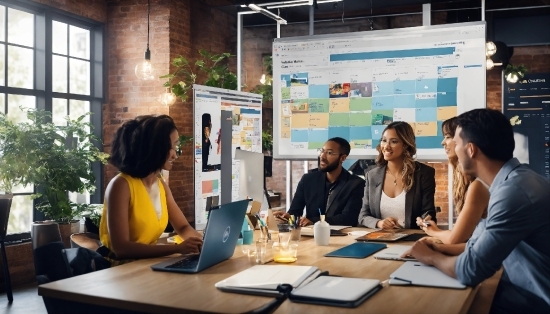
[220, 239]
[394, 253]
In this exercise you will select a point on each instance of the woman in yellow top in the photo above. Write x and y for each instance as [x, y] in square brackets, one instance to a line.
[470, 197]
[138, 202]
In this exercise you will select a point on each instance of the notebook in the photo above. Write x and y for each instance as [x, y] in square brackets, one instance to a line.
[394, 253]
[418, 274]
[220, 238]
[336, 291]
[357, 250]
[264, 279]
[383, 236]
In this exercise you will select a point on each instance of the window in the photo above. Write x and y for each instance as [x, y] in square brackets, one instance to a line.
[51, 60]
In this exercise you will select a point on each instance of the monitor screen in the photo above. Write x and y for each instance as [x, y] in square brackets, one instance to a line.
[251, 174]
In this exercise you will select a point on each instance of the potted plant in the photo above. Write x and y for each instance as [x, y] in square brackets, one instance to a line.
[56, 159]
[213, 67]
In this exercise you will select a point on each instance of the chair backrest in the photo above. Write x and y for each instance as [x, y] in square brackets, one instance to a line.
[5, 205]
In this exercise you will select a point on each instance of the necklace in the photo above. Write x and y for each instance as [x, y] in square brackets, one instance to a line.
[394, 177]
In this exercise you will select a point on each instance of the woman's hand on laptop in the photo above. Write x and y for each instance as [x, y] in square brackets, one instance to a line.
[191, 245]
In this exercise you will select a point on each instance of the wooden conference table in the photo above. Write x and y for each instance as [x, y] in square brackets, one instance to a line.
[134, 287]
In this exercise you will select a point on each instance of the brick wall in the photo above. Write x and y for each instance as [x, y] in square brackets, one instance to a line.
[92, 9]
[21, 266]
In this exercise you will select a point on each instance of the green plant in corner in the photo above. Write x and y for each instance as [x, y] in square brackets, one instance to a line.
[213, 67]
[56, 159]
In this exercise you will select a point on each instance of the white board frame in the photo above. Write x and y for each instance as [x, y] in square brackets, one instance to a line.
[436, 154]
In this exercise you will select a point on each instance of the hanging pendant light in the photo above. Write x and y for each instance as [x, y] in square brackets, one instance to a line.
[490, 48]
[168, 98]
[144, 70]
[490, 63]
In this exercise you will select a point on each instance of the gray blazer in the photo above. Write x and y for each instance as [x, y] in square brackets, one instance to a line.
[418, 200]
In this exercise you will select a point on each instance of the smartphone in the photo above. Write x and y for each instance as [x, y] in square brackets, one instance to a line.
[426, 216]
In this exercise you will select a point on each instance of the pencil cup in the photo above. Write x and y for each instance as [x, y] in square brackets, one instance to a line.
[264, 233]
[248, 237]
[284, 233]
[295, 234]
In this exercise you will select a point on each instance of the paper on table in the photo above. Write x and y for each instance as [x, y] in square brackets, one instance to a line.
[416, 273]
[268, 277]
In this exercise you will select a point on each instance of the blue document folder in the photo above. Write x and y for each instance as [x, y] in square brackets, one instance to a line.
[357, 250]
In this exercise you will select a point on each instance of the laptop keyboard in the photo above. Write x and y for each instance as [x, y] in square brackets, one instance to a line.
[186, 263]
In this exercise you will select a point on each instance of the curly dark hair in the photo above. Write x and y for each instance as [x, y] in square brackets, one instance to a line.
[141, 145]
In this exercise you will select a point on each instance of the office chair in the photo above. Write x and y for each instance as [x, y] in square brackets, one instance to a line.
[5, 205]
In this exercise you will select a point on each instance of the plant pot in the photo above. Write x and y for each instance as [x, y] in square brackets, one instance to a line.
[44, 232]
[66, 230]
[91, 226]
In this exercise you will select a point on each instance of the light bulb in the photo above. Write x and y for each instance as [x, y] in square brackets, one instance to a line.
[262, 80]
[144, 70]
[490, 64]
[168, 98]
[490, 48]
[512, 78]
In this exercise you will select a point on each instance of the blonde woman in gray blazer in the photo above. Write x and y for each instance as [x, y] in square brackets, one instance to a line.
[399, 189]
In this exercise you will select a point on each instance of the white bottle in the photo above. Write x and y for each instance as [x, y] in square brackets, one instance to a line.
[321, 232]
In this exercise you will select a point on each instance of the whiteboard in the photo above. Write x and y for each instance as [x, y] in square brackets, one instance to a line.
[352, 85]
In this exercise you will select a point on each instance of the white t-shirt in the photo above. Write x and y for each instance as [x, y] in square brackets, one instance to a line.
[393, 207]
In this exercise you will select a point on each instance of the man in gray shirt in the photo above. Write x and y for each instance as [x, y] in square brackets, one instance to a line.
[516, 233]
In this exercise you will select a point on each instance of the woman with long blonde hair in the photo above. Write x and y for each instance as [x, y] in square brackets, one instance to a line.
[470, 196]
[399, 189]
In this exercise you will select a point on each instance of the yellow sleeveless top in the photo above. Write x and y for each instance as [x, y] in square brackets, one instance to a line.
[144, 225]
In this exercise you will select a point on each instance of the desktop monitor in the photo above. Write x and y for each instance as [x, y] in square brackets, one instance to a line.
[251, 175]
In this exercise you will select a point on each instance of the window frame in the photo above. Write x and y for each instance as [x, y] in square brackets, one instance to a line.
[42, 84]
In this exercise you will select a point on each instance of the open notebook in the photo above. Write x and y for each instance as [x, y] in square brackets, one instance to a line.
[264, 279]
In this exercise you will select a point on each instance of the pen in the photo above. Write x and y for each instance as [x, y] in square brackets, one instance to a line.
[405, 280]
[260, 220]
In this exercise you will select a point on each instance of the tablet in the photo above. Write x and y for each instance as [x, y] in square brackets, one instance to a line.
[382, 236]
[357, 250]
